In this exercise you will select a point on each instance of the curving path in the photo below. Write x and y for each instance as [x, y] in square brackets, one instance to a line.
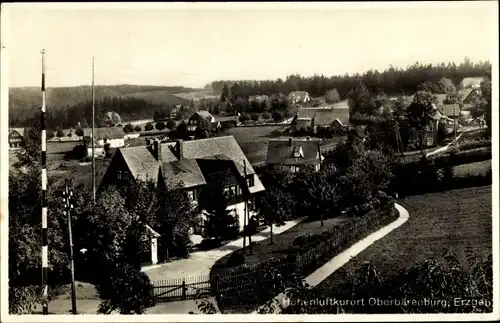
[345, 256]
[199, 263]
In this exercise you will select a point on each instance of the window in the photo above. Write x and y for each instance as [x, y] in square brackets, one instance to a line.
[250, 181]
[121, 175]
[230, 190]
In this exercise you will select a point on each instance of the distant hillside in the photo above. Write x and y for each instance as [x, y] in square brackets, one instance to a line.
[23, 101]
[63, 96]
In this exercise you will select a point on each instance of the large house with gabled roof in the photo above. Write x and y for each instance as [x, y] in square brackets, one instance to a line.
[197, 165]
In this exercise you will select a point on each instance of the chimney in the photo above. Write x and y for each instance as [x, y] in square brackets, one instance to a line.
[157, 149]
[179, 149]
[290, 141]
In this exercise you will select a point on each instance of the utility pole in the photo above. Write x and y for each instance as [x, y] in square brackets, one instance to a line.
[454, 124]
[45, 248]
[245, 212]
[93, 144]
[68, 206]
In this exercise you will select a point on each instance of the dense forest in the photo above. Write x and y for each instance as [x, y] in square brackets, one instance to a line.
[66, 104]
[392, 81]
[70, 105]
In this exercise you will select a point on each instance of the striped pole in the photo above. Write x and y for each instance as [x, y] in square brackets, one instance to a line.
[45, 249]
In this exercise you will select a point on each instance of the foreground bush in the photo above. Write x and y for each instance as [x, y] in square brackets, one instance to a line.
[434, 286]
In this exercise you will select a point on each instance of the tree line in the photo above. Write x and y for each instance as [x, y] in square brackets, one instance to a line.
[391, 81]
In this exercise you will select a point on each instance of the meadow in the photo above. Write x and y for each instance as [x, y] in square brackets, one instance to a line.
[455, 220]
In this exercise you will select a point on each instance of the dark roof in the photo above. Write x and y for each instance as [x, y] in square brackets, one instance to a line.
[324, 116]
[141, 163]
[464, 93]
[280, 151]
[186, 171]
[227, 145]
[105, 133]
[447, 109]
[144, 165]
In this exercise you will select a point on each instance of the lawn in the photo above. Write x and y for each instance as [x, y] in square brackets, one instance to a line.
[282, 243]
[455, 219]
[163, 97]
[254, 140]
[472, 169]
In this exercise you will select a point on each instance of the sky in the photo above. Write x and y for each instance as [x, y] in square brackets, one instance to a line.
[192, 44]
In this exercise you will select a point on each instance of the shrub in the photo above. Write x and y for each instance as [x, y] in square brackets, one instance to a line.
[160, 125]
[244, 118]
[170, 124]
[128, 128]
[236, 259]
[254, 117]
[277, 116]
[208, 244]
[228, 124]
[138, 129]
[266, 116]
[149, 126]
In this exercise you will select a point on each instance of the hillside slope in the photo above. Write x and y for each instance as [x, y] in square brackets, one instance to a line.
[23, 97]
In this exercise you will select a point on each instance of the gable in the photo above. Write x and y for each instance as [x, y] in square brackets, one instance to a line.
[281, 151]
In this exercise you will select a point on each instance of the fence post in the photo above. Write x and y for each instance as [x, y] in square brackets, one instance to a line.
[217, 287]
[183, 289]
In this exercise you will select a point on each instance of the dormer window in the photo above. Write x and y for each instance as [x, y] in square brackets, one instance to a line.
[298, 153]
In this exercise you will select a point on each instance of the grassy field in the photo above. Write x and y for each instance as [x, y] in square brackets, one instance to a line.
[454, 219]
[472, 169]
[159, 97]
[197, 95]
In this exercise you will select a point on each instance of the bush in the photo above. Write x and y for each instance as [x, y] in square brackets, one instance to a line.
[160, 125]
[228, 124]
[208, 244]
[266, 116]
[170, 124]
[277, 116]
[236, 259]
[254, 117]
[138, 129]
[149, 126]
[128, 128]
[244, 118]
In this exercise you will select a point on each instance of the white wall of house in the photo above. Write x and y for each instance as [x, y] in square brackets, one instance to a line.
[132, 136]
[99, 152]
[113, 143]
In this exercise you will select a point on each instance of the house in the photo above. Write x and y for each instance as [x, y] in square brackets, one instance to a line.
[193, 121]
[111, 119]
[298, 97]
[449, 110]
[195, 164]
[313, 119]
[16, 137]
[471, 82]
[259, 98]
[112, 137]
[469, 97]
[175, 110]
[294, 155]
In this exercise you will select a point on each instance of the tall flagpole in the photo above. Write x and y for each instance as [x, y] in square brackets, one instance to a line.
[93, 144]
[45, 248]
